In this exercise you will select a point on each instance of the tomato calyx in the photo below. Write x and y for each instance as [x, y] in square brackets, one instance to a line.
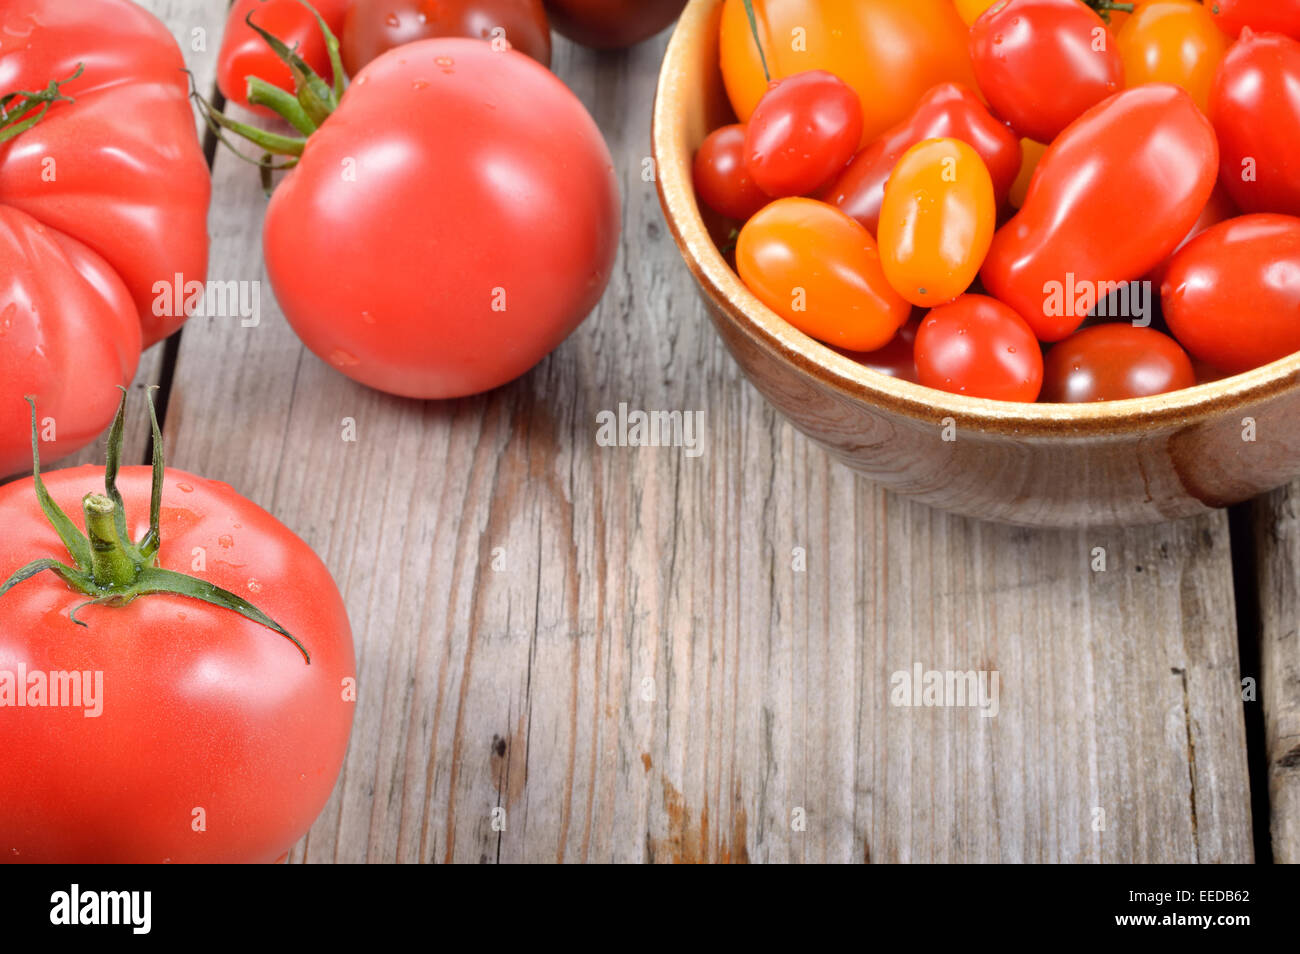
[16, 108]
[1104, 8]
[305, 109]
[108, 567]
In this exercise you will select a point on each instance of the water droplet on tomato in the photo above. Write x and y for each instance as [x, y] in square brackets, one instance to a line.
[367, 317]
[392, 20]
[185, 488]
[342, 359]
[420, 84]
[254, 586]
[225, 540]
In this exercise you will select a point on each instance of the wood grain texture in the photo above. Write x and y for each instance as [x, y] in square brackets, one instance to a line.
[614, 645]
[1277, 537]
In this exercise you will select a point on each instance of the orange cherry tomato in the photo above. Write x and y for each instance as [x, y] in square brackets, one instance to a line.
[820, 270]
[889, 51]
[937, 221]
[970, 10]
[1172, 41]
[1030, 152]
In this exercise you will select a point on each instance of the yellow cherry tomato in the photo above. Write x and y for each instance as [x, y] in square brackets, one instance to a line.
[820, 270]
[1030, 153]
[891, 52]
[937, 221]
[970, 10]
[1172, 41]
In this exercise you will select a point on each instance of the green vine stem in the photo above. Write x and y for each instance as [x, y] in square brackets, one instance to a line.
[1105, 7]
[16, 108]
[107, 566]
[753, 28]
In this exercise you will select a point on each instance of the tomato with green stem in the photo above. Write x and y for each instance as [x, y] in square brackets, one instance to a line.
[103, 207]
[803, 132]
[721, 180]
[447, 222]
[244, 52]
[217, 677]
[979, 347]
[949, 110]
[820, 270]
[1042, 63]
[372, 27]
[1113, 362]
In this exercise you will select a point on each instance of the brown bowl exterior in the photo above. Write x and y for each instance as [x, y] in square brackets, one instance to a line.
[1056, 465]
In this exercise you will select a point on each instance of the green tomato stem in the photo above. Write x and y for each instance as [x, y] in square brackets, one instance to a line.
[111, 566]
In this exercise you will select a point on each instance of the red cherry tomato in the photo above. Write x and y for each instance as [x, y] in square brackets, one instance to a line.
[611, 24]
[1075, 236]
[102, 200]
[1218, 209]
[477, 229]
[244, 53]
[1232, 294]
[820, 270]
[1042, 63]
[373, 27]
[803, 132]
[721, 180]
[948, 111]
[1113, 362]
[1255, 108]
[1262, 16]
[895, 359]
[979, 347]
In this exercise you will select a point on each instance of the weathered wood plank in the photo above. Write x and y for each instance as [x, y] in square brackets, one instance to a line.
[1277, 540]
[614, 645]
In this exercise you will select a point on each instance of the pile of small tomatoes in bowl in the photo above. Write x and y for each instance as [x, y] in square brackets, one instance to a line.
[1058, 201]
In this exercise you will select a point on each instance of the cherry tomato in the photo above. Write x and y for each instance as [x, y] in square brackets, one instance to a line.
[101, 201]
[979, 347]
[478, 226]
[970, 10]
[1033, 155]
[721, 180]
[803, 132]
[1232, 294]
[1262, 16]
[612, 24]
[1219, 208]
[947, 111]
[1112, 362]
[896, 358]
[889, 51]
[1255, 108]
[1074, 236]
[820, 270]
[1042, 63]
[373, 27]
[1172, 41]
[244, 53]
[201, 714]
[936, 222]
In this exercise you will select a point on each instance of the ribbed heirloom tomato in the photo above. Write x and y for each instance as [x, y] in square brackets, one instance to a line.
[448, 224]
[102, 199]
[889, 51]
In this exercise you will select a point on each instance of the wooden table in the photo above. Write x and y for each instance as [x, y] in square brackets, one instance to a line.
[640, 655]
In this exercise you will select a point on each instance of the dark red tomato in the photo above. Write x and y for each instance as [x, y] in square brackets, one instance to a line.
[1112, 362]
[1112, 197]
[1232, 295]
[1262, 16]
[244, 53]
[373, 27]
[1042, 63]
[612, 24]
[803, 132]
[895, 359]
[979, 347]
[721, 180]
[1220, 208]
[1255, 108]
[948, 111]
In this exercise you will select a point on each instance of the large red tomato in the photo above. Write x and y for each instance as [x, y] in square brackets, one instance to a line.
[373, 27]
[206, 735]
[449, 225]
[612, 24]
[99, 201]
[1255, 108]
[245, 53]
[890, 51]
[1076, 237]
